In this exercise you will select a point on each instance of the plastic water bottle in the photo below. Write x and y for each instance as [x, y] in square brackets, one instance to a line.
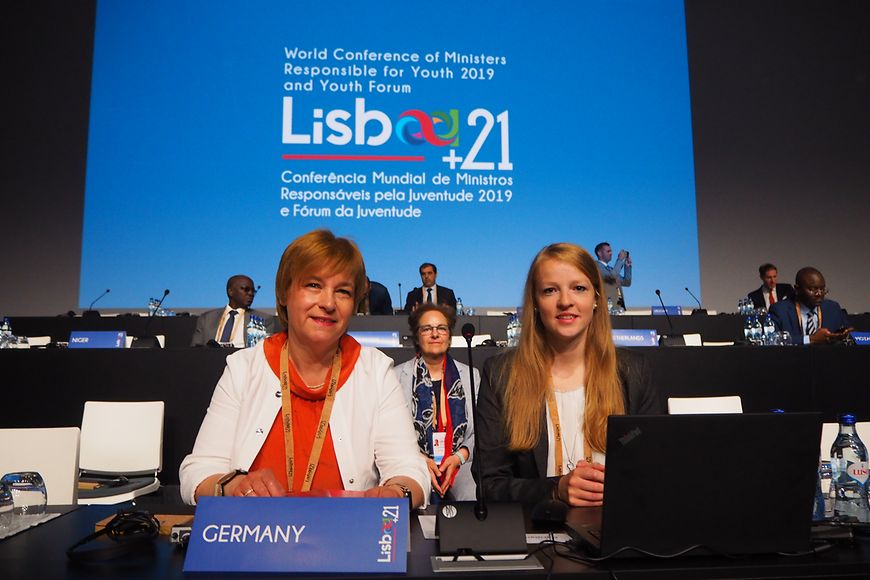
[769, 330]
[459, 307]
[251, 332]
[5, 332]
[609, 305]
[849, 472]
[757, 331]
[512, 338]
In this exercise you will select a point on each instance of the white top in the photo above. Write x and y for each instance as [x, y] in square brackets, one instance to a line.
[571, 405]
[371, 430]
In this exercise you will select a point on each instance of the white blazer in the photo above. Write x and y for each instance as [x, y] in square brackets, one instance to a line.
[463, 485]
[372, 434]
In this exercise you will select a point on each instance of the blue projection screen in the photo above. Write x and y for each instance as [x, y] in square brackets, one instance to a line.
[465, 134]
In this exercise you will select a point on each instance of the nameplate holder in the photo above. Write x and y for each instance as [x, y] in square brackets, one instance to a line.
[861, 338]
[299, 534]
[634, 337]
[97, 339]
[377, 338]
[671, 310]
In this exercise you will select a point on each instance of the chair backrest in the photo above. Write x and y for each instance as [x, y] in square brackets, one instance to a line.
[122, 437]
[53, 452]
[829, 433]
[704, 405]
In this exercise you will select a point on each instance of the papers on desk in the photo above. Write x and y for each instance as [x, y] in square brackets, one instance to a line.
[21, 523]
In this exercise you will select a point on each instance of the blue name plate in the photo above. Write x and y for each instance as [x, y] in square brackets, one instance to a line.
[97, 339]
[634, 337]
[671, 310]
[299, 534]
[861, 338]
[377, 338]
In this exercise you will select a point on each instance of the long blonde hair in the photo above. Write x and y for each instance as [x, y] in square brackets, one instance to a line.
[528, 377]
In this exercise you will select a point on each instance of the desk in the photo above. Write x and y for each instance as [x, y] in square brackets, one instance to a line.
[178, 330]
[48, 388]
[41, 553]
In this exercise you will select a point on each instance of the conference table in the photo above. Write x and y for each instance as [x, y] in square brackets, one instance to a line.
[40, 552]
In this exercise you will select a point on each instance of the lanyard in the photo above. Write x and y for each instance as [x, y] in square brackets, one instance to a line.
[439, 410]
[286, 409]
[800, 318]
[557, 433]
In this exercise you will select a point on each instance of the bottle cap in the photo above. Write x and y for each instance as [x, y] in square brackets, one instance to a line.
[847, 419]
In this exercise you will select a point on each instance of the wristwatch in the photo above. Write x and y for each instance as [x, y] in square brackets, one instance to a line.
[225, 479]
[406, 491]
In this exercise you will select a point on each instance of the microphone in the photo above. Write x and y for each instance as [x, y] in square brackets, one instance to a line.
[671, 339]
[700, 309]
[90, 311]
[146, 340]
[472, 528]
[257, 289]
[399, 301]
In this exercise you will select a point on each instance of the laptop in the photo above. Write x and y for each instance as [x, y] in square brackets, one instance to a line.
[733, 484]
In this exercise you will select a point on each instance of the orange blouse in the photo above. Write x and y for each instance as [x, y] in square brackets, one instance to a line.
[307, 407]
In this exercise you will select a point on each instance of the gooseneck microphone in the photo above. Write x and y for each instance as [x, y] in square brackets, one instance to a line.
[480, 511]
[98, 298]
[146, 340]
[672, 339]
[90, 311]
[700, 309]
[665, 308]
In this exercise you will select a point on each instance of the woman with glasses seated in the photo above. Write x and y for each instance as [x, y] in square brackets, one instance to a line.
[260, 435]
[436, 389]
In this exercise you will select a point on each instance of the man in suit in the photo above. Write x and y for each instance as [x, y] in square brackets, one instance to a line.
[377, 299]
[429, 292]
[227, 326]
[770, 292]
[810, 318]
[613, 279]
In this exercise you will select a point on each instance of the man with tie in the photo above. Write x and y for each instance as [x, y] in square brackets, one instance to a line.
[810, 318]
[228, 326]
[614, 277]
[429, 292]
[770, 292]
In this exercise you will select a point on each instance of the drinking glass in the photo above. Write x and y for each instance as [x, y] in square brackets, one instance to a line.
[28, 492]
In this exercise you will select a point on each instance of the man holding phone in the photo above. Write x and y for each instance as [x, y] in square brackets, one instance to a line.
[614, 277]
[811, 318]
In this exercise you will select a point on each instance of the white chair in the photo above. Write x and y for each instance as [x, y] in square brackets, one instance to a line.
[829, 433]
[53, 452]
[121, 450]
[704, 405]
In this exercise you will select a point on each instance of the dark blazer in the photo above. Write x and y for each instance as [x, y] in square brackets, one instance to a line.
[207, 324]
[379, 299]
[415, 297]
[785, 318]
[521, 476]
[783, 291]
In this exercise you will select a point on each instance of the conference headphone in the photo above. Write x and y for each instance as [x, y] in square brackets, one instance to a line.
[130, 532]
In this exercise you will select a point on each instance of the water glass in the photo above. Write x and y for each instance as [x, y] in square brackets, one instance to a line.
[28, 492]
[6, 506]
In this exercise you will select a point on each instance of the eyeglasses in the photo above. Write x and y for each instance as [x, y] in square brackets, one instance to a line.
[440, 329]
[819, 291]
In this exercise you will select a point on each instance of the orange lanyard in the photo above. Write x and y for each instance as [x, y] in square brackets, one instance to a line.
[286, 409]
[557, 433]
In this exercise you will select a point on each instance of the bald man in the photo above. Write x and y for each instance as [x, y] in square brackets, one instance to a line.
[227, 326]
[810, 318]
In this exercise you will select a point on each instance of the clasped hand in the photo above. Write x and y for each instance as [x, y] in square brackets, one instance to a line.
[584, 486]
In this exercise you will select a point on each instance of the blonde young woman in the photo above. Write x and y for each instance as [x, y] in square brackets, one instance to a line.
[543, 408]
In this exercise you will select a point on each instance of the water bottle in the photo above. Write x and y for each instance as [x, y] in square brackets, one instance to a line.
[757, 330]
[849, 472]
[747, 329]
[251, 332]
[769, 330]
[609, 305]
[459, 307]
[5, 332]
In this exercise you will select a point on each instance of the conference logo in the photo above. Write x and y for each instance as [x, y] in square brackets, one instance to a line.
[389, 529]
[362, 126]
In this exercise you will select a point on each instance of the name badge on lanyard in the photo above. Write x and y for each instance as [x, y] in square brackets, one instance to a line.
[439, 442]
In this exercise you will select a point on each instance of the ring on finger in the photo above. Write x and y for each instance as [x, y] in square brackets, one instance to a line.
[249, 492]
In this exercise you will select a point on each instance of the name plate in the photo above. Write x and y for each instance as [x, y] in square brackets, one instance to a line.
[299, 534]
[861, 338]
[97, 339]
[634, 337]
[671, 310]
[377, 338]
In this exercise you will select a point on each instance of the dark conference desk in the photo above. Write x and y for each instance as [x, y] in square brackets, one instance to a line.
[41, 553]
[178, 330]
[48, 388]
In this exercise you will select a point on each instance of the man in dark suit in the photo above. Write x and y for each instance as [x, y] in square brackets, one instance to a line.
[810, 318]
[377, 299]
[770, 292]
[225, 326]
[429, 292]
